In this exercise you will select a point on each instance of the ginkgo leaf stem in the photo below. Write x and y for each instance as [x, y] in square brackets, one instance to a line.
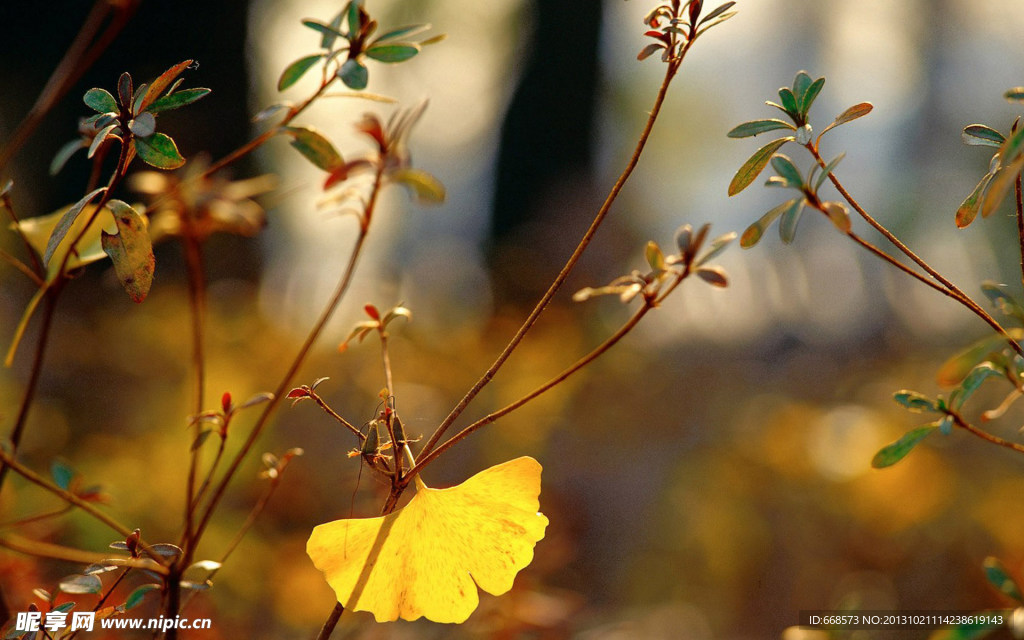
[282, 388]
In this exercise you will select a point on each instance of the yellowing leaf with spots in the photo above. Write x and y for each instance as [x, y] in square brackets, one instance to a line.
[427, 558]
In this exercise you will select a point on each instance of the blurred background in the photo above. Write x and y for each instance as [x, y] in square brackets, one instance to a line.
[710, 477]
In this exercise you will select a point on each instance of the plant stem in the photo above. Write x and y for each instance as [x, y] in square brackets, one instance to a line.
[952, 290]
[331, 622]
[300, 357]
[27, 398]
[197, 302]
[1020, 222]
[389, 422]
[670, 72]
[315, 397]
[80, 56]
[424, 460]
[984, 435]
[64, 495]
[264, 137]
[58, 552]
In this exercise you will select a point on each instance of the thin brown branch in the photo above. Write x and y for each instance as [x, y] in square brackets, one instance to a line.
[1019, 202]
[331, 622]
[985, 435]
[49, 311]
[955, 292]
[83, 52]
[670, 72]
[197, 303]
[611, 341]
[282, 388]
[320, 402]
[64, 495]
[69, 554]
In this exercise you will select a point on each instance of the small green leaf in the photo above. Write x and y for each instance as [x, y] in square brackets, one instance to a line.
[398, 32]
[315, 147]
[969, 208]
[829, 168]
[1001, 579]
[982, 136]
[1012, 147]
[787, 170]
[755, 165]
[426, 187]
[788, 100]
[970, 384]
[650, 50]
[956, 368]
[393, 52]
[158, 150]
[801, 83]
[893, 453]
[654, 256]
[166, 550]
[62, 474]
[64, 154]
[81, 584]
[856, 111]
[330, 32]
[755, 232]
[65, 223]
[914, 401]
[790, 218]
[111, 130]
[1006, 304]
[296, 70]
[717, 12]
[177, 100]
[131, 251]
[355, 22]
[997, 190]
[161, 83]
[100, 101]
[354, 74]
[755, 127]
[810, 95]
[140, 95]
[1015, 94]
[125, 90]
[136, 596]
[143, 125]
[267, 112]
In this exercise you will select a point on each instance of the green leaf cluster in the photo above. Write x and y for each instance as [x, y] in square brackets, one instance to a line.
[668, 270]
[130, 118]
[1004, 168]
[795, 102]
[348, 39]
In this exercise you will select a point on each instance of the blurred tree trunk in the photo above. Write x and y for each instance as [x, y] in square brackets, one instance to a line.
[544, 167]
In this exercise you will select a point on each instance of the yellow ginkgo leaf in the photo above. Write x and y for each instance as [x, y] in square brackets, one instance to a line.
[423, 559]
